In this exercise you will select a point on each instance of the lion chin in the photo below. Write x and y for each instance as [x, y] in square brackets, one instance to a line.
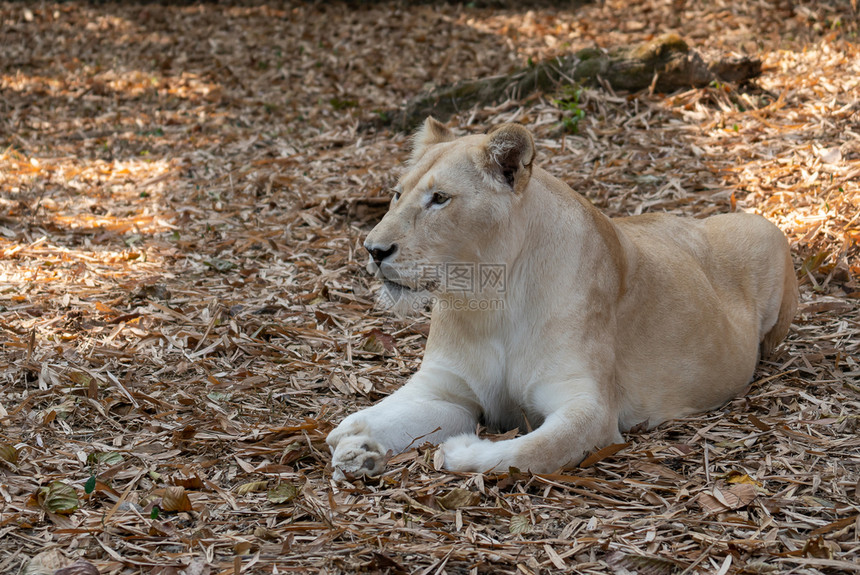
[402, 300]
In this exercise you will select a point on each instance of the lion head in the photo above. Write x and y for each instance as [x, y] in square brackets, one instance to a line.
[449, 214]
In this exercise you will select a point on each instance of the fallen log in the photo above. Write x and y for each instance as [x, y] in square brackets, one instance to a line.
[667, 63]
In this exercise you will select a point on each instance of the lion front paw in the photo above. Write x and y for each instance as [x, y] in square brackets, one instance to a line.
[358, 455]
[468, 452]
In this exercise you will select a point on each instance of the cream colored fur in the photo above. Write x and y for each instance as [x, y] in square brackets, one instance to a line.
[606, 323]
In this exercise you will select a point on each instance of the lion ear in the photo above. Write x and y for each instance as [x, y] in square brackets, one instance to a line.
[432, 132]
[510, 151]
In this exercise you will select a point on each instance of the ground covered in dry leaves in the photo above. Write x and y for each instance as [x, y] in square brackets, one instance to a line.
[184, 315]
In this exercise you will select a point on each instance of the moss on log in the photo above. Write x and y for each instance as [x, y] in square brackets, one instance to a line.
[667, 62]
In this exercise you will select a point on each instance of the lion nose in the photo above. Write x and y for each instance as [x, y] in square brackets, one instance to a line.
[380, 253]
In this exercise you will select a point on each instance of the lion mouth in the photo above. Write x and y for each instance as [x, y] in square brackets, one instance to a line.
[398, 281]
[401, 280]
[414, 288]
[396, 288]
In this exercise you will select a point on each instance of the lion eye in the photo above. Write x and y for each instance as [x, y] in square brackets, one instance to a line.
[396, 195]
[439, 198]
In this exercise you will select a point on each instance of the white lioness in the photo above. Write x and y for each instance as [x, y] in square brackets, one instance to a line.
[603, 324]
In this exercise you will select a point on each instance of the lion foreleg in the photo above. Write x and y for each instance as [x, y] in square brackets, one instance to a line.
[423, 410]
[567, 434]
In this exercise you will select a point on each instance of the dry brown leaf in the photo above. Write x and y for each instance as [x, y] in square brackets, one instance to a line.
[58, 497]
[8, 453]
[378, 342]
[199, 567]
[642, 564]
[174, 499]
[46, 563]
[736, 477]
[602, 454]
[836, 525]
[282, 493]
[251, 487]
[459, 497]
[520, 524]
[724, 498]
[79, 567]
[818, 547]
